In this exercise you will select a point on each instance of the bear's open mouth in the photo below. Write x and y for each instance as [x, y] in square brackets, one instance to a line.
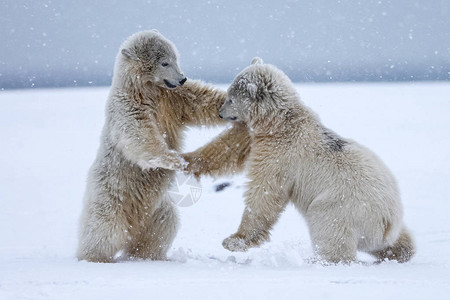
[169, 85]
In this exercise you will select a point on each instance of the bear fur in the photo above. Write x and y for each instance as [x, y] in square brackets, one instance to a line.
[346, 194]
[127, 211]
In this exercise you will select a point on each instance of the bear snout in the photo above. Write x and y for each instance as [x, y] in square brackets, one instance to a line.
[169, 85]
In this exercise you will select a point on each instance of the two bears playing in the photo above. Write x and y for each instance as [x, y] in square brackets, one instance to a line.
[347, 196]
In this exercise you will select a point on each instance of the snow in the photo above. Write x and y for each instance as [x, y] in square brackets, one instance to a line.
[50, 137]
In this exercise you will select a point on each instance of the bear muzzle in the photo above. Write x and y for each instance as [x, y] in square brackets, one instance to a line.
[172, 86]
[227, 118]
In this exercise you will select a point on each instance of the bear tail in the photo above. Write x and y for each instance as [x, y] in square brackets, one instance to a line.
[401, 251]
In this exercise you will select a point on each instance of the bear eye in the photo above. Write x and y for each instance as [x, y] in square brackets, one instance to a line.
[164, 64]
[231, 101]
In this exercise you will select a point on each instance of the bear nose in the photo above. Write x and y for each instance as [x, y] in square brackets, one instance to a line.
[183, 81]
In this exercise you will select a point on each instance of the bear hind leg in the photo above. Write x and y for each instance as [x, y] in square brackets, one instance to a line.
[402, 250]
[102, 243]
[333, 240]
[161, 231]
[335, 249]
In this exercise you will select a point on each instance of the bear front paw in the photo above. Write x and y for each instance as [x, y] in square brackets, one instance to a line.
[175, 161]
[233, 243]
[193, 165]
[170, 160]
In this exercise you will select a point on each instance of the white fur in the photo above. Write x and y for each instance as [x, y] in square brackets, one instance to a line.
[126, 206]
[126, 209]
[348, 197]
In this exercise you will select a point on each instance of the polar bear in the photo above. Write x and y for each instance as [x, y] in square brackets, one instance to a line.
[348, 197]
[127, 211]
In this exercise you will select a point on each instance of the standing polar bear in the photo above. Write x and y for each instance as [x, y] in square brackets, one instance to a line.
[126, 206]
[348, 197]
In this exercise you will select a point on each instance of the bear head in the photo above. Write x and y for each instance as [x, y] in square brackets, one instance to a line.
[260, 91]
[147, 56]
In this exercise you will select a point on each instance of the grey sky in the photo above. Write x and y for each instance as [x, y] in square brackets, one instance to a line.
[67, 43]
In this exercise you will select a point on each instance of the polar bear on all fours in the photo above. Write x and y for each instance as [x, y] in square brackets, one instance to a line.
[126, 206]
[348, 197]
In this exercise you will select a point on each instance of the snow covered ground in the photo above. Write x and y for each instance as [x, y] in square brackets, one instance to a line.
[49, 139]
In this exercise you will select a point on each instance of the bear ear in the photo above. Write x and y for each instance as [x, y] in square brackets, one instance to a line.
[129, 54]
[252, 89]
[257, 61]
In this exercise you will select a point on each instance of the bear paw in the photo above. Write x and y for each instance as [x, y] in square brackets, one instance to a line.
[175, 161]
[170, 160]
[233, 243]
[193, 166]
